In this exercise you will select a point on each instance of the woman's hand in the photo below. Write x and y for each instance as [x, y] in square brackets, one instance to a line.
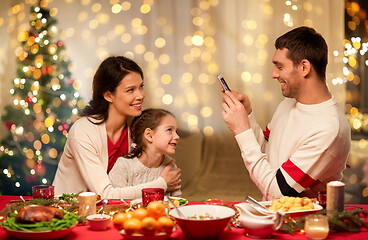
[172, 177]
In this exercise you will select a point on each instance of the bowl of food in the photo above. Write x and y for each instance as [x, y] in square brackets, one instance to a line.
[98, 222]
[202, 221]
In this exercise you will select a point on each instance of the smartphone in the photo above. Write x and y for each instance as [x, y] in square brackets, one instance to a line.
[223, 83]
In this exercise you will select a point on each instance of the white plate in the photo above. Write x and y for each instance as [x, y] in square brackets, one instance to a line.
[300, 213]
[41, 234]
[139, 200]
[75, 198]
[59, 196]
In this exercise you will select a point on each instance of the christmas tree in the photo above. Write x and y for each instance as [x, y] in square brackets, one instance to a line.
[45, 103]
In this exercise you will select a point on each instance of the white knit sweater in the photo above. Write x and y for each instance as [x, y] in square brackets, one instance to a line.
[83, 165]
[307, 147]
[131, 172]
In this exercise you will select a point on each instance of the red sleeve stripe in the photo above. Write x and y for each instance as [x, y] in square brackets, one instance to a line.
[316, 182]
[267, 133]
[298, 175]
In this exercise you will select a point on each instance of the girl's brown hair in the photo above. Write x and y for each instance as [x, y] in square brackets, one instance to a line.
[150, 118]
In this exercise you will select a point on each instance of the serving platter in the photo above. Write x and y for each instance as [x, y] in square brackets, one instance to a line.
[300, 213]
[40, 234]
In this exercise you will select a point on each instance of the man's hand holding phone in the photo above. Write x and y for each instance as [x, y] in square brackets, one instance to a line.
[223, 83]
[234, 114]
[242, 98]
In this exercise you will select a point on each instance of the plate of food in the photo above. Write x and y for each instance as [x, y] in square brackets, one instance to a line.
[56, 234]
[293, 206]
[39, 222]
[157, 236]
[178, 201]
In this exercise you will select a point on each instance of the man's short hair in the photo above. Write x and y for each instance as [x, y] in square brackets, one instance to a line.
[305, 43]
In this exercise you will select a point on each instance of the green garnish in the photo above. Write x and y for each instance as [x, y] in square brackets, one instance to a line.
[182, 201]
[69, 220]
[69, 197]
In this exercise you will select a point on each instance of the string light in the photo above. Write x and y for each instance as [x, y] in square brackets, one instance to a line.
[353, 47]
[37, 66]
[201, 48]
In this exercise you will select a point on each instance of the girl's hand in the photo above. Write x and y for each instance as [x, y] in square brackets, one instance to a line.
[172, 177]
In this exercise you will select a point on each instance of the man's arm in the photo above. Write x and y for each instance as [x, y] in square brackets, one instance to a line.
[312, 163]
[235, 116]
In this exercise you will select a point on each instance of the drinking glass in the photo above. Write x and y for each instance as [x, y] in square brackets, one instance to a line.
[316, 226]
[152, 194]
[43, 191]
[322, 196]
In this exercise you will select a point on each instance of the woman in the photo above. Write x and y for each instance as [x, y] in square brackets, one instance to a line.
[100, 136]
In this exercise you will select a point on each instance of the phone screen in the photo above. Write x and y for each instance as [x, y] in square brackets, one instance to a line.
[223, 83]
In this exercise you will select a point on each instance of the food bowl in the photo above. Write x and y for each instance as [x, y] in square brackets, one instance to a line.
[202, 228]
[98, 222]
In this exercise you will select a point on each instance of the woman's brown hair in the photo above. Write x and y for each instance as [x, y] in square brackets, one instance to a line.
[107, 77]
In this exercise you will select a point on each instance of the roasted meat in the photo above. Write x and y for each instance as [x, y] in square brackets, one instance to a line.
[36, 213]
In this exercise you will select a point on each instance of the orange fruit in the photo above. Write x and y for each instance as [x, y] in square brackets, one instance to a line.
[149, 226]
[165, 224]
[119, 220]
[132, 225]
[155, 209]
[140, 213]
[129, 214]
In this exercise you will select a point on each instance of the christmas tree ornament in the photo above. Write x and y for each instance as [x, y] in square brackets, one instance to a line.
[44, 106]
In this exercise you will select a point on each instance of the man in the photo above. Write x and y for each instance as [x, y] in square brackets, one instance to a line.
[307, 142]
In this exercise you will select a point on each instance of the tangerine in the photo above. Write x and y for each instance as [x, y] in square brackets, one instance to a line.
[140, 213]
[149, 225]
[129, 214]
[132, 225]
[155, 209]
[119, 219]
[165, 224]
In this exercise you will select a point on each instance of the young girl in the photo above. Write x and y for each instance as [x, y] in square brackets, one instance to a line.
[155, 137]
[100, 136]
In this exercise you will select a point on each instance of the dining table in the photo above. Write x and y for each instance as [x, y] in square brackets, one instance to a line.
[83, 231]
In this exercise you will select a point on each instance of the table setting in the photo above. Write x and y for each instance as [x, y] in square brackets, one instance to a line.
[155, 216]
